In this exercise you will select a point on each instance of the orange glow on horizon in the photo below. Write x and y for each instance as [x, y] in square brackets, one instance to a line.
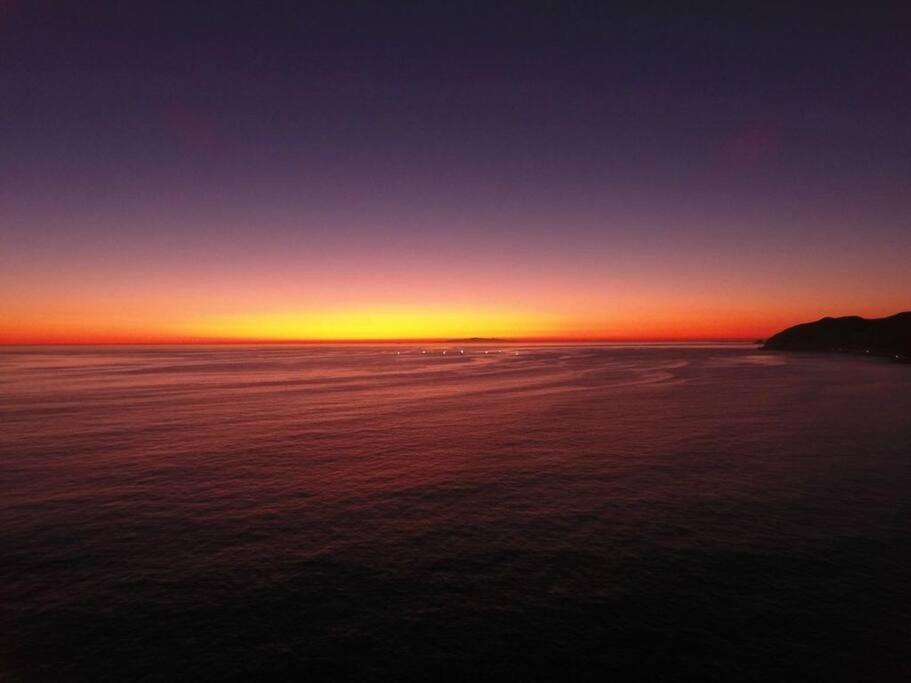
[387, 325]
[184, 309]
[534, 288]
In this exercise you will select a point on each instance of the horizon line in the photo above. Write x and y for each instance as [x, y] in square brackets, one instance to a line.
[360, 341]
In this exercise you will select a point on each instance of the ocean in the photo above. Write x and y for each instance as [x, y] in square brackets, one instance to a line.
[391, 512]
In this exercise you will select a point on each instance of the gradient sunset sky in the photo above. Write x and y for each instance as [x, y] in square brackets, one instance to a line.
[351, 170]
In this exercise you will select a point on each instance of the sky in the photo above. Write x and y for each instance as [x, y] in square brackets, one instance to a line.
[195, 171]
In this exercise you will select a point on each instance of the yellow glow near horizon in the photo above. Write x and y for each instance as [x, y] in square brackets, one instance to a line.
[374, 324]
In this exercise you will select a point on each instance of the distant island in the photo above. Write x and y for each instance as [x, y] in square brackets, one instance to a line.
[851, 334]
[476, 340]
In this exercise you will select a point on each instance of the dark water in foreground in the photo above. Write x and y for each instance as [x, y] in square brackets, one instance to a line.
[349, 513]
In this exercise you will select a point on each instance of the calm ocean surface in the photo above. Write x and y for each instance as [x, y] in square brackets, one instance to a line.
[378, 513]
